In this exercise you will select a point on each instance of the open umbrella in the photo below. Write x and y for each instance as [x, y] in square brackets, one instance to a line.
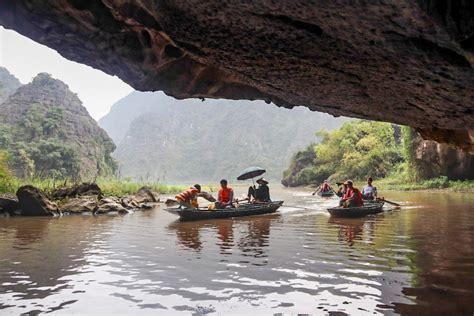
[251, 173]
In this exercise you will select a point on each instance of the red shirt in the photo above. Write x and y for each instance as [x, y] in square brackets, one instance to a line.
[354, 194]
[225, 195]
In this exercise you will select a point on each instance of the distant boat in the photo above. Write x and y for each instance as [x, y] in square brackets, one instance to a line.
[241, 210]
[326, 193]
[369, 208]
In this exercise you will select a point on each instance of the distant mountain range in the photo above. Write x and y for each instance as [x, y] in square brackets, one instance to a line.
[47, 132]
[163, 139]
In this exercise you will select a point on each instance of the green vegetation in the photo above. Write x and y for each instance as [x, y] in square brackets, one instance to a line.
[357, 149]
[110, 187]
[47, 133]
[442, 182]
[363, 148]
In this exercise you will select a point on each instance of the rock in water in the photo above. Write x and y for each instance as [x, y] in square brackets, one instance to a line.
[108, 205]
[9, 204]
[146, 194]
[82, 189]
[83, 204]
[34, 202]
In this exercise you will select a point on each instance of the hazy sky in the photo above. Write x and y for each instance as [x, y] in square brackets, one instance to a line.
[25, 58]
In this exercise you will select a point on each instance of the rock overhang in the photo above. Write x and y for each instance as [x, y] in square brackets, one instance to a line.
[407, 62]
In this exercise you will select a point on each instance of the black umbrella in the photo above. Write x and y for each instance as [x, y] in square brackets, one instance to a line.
[251, 173]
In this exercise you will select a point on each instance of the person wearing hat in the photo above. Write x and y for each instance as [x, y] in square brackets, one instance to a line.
[353, 197]
[262, 193]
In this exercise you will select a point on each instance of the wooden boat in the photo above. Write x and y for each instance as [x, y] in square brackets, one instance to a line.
[241, 210]
[326, 194]
[369, 208]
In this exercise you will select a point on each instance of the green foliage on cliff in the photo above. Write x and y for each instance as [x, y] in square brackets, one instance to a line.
[6, 177]
[48, 134]
[356, 150]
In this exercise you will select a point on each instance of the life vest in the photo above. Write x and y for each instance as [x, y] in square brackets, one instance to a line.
[355, 193]
[225, 195]
[188, 195]
[325, 187]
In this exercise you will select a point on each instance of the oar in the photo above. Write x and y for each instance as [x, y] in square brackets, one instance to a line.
[389, 202]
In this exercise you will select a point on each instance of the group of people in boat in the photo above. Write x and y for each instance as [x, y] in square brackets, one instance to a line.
[225, 197]
[350, 195]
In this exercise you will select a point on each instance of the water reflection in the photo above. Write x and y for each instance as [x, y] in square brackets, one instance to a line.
[37, 254]
[419, 260]
[253, 234]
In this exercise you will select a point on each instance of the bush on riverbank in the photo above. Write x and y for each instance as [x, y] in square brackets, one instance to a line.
[357, 149]
[440, 183]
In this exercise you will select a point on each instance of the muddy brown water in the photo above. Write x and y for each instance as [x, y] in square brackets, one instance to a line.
[418, 260]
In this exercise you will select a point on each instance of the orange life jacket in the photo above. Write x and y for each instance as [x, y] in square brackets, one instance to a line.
[225, 195]
[188, 195]
[325, 187]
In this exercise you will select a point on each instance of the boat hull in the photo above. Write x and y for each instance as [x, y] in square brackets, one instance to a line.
[325, 194]
[371, 208]
[244, 210]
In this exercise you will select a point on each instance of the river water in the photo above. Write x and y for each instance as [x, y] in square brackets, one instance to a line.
[416, 260]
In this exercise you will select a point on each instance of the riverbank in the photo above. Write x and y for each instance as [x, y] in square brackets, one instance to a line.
[113, 187]
[441, 184]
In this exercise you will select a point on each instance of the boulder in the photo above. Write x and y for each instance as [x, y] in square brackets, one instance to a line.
[111, 204]
[83, 204]
[9, 204]
[146, 194]
[77, 190]
[34, 202]
[144, 198]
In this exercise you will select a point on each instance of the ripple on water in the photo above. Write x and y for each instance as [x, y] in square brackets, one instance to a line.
[302, 261]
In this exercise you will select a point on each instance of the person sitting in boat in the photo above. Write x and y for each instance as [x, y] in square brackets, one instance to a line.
[342, 190]
[369, 192]
[188, 198]
[353, 197]
[226, 196]
[262, 193]
[325, 187]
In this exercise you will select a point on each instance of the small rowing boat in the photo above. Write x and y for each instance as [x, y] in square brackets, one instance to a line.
[242, 210]
[369, 208]
[326, 193]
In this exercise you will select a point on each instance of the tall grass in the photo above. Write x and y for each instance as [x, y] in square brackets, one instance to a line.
[110, 187]
[439, 183]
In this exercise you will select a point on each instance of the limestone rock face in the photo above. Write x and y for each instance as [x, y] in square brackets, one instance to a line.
[434, 159]
[408, 62]
[8, 84]
[34, 202]
[48, 132]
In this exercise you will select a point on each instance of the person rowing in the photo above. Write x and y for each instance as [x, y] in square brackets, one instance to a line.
[369, 192]
[325, 187]
[260, 194]
[353, 197]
